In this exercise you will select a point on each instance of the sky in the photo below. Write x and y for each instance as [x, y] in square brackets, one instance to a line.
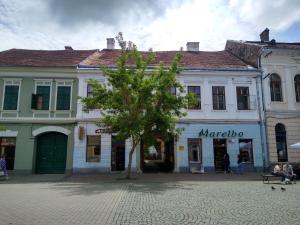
[156, 24]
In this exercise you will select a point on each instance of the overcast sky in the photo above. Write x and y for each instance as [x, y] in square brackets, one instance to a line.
[157, 24]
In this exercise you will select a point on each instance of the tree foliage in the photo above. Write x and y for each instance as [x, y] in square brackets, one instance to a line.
[137, 102]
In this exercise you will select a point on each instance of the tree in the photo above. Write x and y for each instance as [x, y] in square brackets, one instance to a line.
[138, 103]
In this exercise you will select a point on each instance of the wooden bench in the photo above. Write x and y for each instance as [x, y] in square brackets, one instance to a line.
[266, 178]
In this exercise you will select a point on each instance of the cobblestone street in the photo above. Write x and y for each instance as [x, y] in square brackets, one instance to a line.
[85, 200]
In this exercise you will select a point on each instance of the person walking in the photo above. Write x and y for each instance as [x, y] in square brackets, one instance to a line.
[226, 163]
[3, 166]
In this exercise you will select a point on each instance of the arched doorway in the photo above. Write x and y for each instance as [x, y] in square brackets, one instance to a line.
[51, 153]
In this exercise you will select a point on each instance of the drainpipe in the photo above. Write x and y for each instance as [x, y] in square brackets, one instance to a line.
[262, 115]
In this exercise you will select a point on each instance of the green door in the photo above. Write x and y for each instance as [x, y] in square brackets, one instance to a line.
[51, 153]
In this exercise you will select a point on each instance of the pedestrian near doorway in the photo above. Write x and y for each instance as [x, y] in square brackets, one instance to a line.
[226, 163]
[3, 166]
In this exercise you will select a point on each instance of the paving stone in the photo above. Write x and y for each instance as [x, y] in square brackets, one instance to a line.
[143, 203]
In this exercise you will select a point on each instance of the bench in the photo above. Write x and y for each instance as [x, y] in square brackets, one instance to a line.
[266, 178]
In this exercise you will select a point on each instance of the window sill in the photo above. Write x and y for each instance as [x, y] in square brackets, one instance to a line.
[195, 162]
[219, 110]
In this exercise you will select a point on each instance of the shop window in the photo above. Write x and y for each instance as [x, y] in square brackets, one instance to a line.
[243, 100]
[297, 87]
[11, 96]
[197, 92]
[194, 148]
[275, 88]
[7, 148]
[218, 93]
[281, 143]
[93, 148]
[246, 150]
[63, 98]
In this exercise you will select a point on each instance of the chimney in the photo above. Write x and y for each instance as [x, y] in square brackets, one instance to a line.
[68, 48]
[192, 46]
[110, 43]
[264, 36]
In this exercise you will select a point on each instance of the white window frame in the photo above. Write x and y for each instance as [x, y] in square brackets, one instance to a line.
[9, 82]
[64, 83]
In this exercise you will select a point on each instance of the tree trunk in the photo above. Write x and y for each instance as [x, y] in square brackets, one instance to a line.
[130, 160]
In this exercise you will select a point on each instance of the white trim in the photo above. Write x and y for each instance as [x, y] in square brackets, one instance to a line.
[8, 133]
[15, 82]
[58, 81]
[50, 129]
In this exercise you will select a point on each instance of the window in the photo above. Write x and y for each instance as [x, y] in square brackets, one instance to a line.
[246, 150]
[173, 90]
[41, 99]
[242, 94]
[297, 87]
[218, 93]
[93, 148]
[11, 95]
[7, 148]
[89, 89]
[194, 148]
[197, 93]
[281, 143]
[275, 88]
[63, 98]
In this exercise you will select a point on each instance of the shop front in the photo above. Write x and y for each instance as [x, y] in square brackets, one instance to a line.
[96, 150]
[201, 147]
[37, 148]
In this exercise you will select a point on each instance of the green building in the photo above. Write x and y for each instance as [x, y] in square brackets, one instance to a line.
[38, 102]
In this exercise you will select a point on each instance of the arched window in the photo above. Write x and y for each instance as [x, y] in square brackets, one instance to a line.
[281, 143]
[297, 87]
[275, 88]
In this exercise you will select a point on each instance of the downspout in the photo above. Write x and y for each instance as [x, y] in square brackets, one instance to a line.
[262, 115]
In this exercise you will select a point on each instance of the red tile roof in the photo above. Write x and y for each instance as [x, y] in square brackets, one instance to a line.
[43, 58]
[193, 60]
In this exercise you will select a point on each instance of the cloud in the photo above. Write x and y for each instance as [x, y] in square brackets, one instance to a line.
[112, 12]
[157, 24]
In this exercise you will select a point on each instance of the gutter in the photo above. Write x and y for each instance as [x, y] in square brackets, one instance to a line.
[262, 114]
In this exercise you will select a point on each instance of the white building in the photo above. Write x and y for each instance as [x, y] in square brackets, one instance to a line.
[280, 66]
[226, 120]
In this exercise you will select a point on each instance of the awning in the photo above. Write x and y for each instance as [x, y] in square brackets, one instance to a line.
[296, 145]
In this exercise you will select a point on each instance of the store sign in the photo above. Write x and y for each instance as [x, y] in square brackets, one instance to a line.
[219, 134]
[102, 130]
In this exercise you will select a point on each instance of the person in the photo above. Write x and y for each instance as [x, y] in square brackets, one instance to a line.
[283, 173]
[239, 162]
[3, 166]
[226, 163]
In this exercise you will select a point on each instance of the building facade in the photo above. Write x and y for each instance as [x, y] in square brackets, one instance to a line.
[227, 119]
[280, 67]
[38, 109]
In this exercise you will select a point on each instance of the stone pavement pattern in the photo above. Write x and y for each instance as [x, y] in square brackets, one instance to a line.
[141, 203]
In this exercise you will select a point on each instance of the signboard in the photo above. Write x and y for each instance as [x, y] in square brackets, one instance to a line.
[180, 148]
[219, 134]
[102, 130]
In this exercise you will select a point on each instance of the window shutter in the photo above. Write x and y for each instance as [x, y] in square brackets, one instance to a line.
[63, 98]
[11, 97]
[33, 101]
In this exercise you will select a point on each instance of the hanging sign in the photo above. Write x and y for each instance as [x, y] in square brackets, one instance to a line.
[219, 134]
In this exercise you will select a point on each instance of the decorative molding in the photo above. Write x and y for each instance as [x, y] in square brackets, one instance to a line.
[50, 129]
